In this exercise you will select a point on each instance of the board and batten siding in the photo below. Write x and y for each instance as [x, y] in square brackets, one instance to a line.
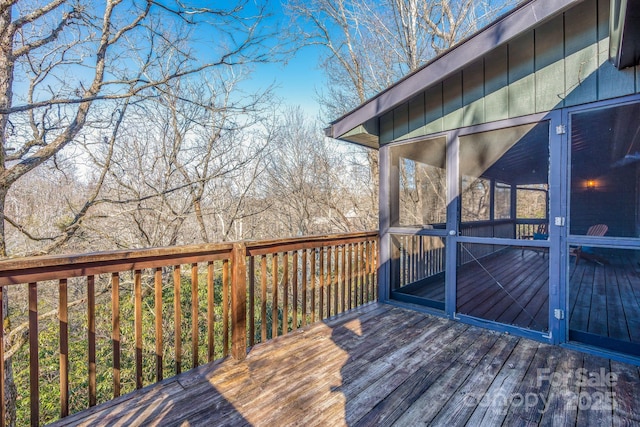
[562, 63]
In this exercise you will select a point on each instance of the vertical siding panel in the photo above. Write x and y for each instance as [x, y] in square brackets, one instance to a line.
[581, 50]
[496, 89]
[549, 62]
[416, 116]
[433, 109]
[473, 93]
[611, 81]
[452, 97]
[386, 128]
[401, 121]
[521, 76]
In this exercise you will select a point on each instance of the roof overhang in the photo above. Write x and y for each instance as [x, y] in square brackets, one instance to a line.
[624, 47]
[521, 19]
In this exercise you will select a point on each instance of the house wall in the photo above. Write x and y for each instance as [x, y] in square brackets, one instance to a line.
[533, 73]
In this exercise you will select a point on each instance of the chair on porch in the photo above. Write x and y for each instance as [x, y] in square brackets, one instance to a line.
[541, 233]
[583, 252]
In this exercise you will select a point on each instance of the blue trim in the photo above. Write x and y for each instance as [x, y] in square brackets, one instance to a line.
[505, 242]
[605, 343]
[595, 351]
[453, 154]
[504, 328]
[605, 242]
[563, 249]
[415, 231]
[557, 208]
[418, 308]
[412, 299]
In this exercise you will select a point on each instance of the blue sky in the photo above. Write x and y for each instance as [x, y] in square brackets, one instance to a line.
[299, 80]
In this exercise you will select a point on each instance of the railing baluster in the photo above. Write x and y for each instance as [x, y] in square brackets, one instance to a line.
[177, 309]
[355, 275]
[415, 258]
[63, 319]
[362, 247]
[304, 288]
[263, 300]
[34, 374]
[374, 271]
[2, 408]
[359, 281]
[423, 251]
[137, 286]
[252, 301]
[285, 293]
[350, 276]
[403, 259]
[329, 281]
[313, 284]
[336, 266]
[210, 311]
[341, 281]
[115, 331]
[274, 292]
[225, 307]
[321, 291]
[294, 286]
[91, 320]
[194, 315]
[367, 278]
[158, 310]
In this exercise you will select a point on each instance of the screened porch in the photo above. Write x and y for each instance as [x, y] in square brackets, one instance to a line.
[500, 224]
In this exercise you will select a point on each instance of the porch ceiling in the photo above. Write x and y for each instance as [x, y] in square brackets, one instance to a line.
[625, 33]
[605, 139]
[527, 162]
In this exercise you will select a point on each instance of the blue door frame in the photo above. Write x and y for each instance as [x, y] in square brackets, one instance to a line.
[557, 138]
[568, 239]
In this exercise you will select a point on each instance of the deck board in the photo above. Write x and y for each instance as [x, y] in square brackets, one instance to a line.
[379, 365]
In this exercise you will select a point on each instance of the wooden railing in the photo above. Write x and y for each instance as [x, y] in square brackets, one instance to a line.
[117, 318]
[419, 257]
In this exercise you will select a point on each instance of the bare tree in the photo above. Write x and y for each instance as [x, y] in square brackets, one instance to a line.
[184, 150]
[66, 64]
[370, 45]
[310, 181]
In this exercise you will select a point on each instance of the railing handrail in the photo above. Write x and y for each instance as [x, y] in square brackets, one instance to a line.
[53, 267]
[260, 247]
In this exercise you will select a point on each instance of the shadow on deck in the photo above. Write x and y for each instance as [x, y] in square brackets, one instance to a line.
[380, 365]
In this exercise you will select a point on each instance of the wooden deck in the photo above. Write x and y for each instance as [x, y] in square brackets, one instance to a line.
[380, 365]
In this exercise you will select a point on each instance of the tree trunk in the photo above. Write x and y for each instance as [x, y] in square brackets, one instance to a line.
[200, 218]
[10, 391]
[7, 63]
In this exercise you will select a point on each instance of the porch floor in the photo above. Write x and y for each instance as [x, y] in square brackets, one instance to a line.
[512, 287]
[381, 365]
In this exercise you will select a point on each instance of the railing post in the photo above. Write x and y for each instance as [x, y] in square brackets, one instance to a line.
[239, 301]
